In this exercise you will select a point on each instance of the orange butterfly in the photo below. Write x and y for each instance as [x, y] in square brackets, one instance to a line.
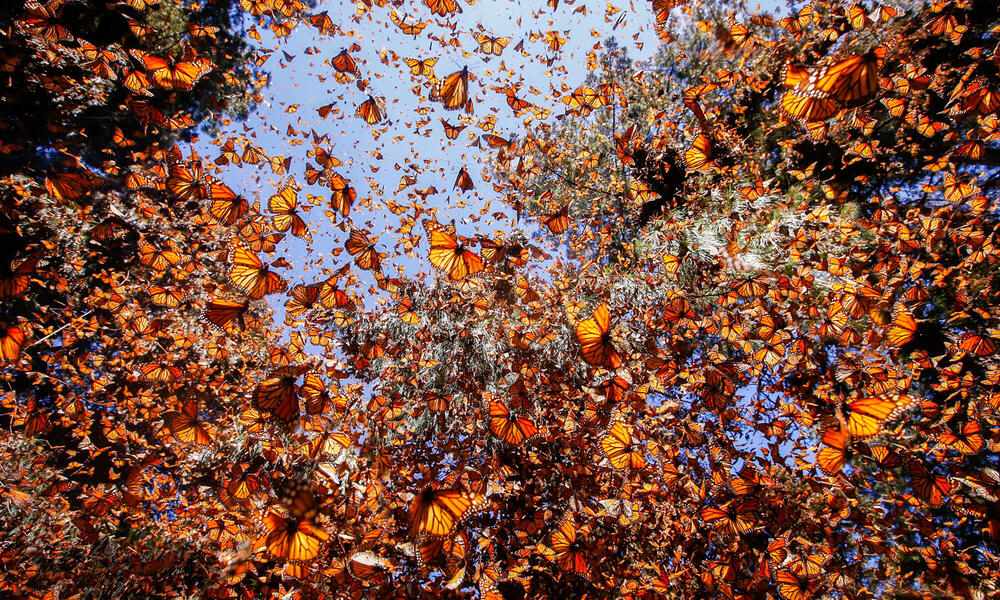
[509, 427]
[186, 425]
[363, 250]
[171, 75]
[421, 67]
[406, 27]
[568, 549]
[298, 498]
[621, 449]
[344, 63]
[451, 131]
[558, 221]
[453, 93]
[11, 340]
[699, 155]
[253, 276]
[296, 540]
[278, 395]
[449, 253]
[365, 566]
[227, 206]
[437, 512]
[836, 451]
[285, 206]
[443, 8]
[463, 181]
[372, 110]
[492, 45]
[222, 312]
[594, 336]
[343, 194]
[733, 518]
[15, 279]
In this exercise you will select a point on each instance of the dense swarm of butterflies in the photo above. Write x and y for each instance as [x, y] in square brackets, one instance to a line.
[732, 334]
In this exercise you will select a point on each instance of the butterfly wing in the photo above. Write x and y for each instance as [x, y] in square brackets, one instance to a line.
[593, 336]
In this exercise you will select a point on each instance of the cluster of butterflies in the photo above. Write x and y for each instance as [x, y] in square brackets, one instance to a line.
[790, 366]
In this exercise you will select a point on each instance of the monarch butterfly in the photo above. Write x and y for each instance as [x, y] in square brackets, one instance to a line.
[421, 67]
[363, 250]
[437, 512]
[750, 287]
[797, 24]
[313, 391]
[344, 63]
[253, 154]
[186, 426]
[160, 372]
[298, 498]
[371, 110]
[365, 566]
[463, 181]
[866, 416]
[973, 149]
[330, 295]
[285, 206]
[242, 483]
[45, 22]
[957, 189]
[443, 8]
[343, 194]
[818, 93]
[226, 206]
[558, 221]
[968, 441]
[253, 276]
[296, 540]
[11, 341]
[808, 108]
[14, 281]
[170, 75]
[158, 259]
[733, 518]
[495, 141]
[454, 91]
[620, 448]
[903, 330]
[836, 451]
[978, 344]
[278, 395]
[185, 182]
[449, 253]
[980, 98]
[451, 131]
[492, 45]
[568, 549]
[304, 298]
[699, 155]
[222, 312]
[413, 29]
[796, 586]
[405, 311]
[136, 80]
[594, 336]
[509, 427]
[928, 486]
